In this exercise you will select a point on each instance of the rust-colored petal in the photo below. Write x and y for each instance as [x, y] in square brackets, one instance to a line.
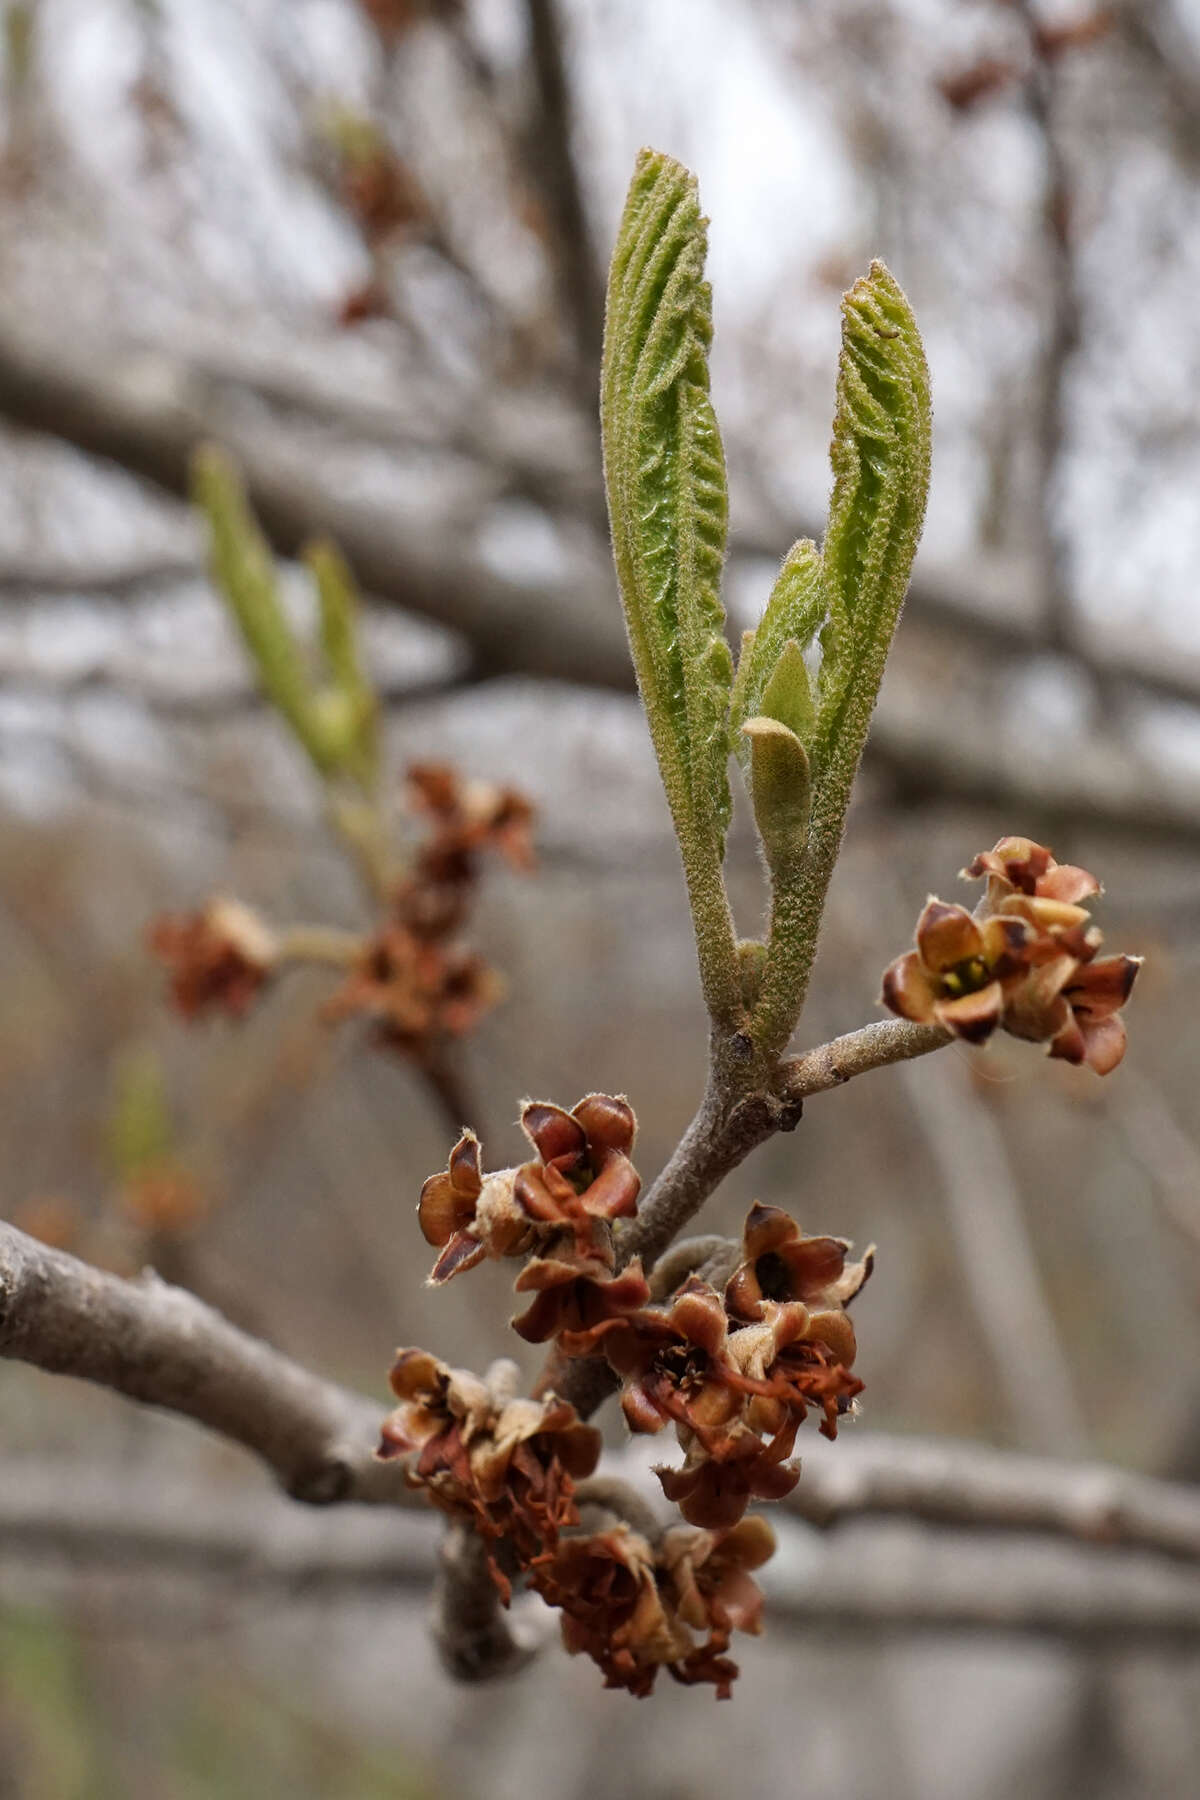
[813, 1265]
[1068, 1042]
[542, 1319]
[462, 1252]
[551, 1131]
[833, 1328]
[972, 1017]
[614, 1193]
[908, 989]
[1034, 1007]
[1100, 988]
[641, 1413]
[1104, 1043]
[698, 1316]
[416, 1372]
[1045, 914]
[447, 1205]
[534, 1197]
[608, 1121]
[1067, 882]
[947, 935]
[766, 1228]
[750, 1544]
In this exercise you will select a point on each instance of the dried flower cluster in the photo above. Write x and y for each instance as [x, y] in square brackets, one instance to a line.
[634, 1601]
[561, 1204]
[219, 958]
[735, 1373]
[413, 977]
[1025, 961]
[509, 1465]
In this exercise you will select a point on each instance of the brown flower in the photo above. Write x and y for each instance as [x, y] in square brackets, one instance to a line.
[782, 1264]
[794, 1358]
[467, 817]
[574, 1294]
[415, 990]
[708, 1576]
[633, 1607]
[722, 1474]
[584, 1178]
[606, 1584]
[675, 1363]
[1018, 865]
[955, 976]
[218, 958]
[469, 1215]
[1074, 1006]
[507, 1464]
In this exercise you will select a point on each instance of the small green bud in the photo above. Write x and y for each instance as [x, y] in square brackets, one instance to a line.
[780, 788]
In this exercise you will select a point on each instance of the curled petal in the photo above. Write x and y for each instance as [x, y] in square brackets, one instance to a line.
[641, 1413]
[766, 1229]
[947, 936]
[1035, 1008]
[1068, 1042]
[609, 1123]
[973, 1017]
[698, 1316]
[574, 1298]
[1100, 988]
[1067, 882]
[1104, 1041]
[552, 1132]
[1045, 914]
[417, 1372]
[908, 990]
[614, 1193]
[462, 1252]
[447, 1202]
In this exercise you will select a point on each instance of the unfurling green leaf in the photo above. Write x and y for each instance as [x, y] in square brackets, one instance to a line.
[780, 788]
[794, 611]
[335, 724]
[880, 459]
[665, 476]
[244, 572]
[349, 707]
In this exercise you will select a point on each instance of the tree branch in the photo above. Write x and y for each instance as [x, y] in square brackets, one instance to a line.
[943, 1482]
[162, 1345]
[148, 413]
[886, 1570]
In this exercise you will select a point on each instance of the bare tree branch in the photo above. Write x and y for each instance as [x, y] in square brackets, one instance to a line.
[147, 413]
[552, 163]
[971, 1486]
[886, 1569]
[162, 1345]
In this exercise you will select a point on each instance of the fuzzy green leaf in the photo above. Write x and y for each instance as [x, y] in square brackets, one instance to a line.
[795, 610]
[665, 477]
[880, 459]
[244, 572]
[349, 709]
[665, 472]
